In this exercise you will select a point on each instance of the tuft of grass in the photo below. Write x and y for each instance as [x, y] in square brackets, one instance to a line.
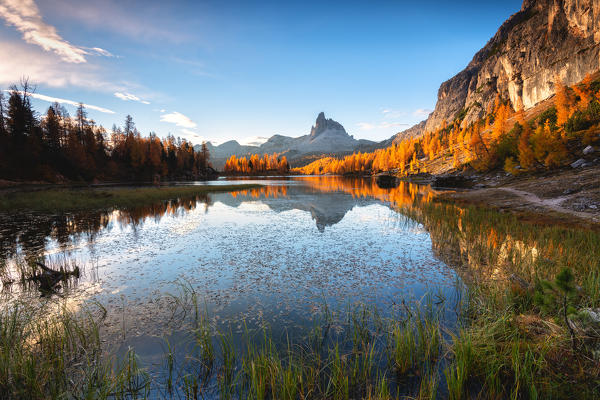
[57, 354]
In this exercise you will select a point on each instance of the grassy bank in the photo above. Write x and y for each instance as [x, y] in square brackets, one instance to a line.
[529, 328]
[91, 198]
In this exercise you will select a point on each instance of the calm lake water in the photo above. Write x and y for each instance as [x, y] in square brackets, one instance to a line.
[275, 257]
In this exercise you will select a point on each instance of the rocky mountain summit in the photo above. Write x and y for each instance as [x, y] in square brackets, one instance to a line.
[326, 137]
[544, 41]
[322, 125]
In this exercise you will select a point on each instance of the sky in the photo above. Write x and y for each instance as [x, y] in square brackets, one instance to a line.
[222, 70]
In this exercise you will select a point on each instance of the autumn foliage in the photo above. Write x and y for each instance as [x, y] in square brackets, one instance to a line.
[57, 146]
[500, 138]
[256, 164]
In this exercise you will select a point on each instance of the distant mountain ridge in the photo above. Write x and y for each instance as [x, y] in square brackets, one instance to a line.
[326, 137]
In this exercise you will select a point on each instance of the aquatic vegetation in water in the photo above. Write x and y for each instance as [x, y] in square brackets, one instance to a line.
[47, 357]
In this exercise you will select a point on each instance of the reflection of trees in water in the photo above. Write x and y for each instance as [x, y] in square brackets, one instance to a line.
[404, 194]
[329, 198]
[27, 235]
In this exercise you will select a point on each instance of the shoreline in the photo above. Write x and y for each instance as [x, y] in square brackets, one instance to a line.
[569, 197]
[64, 199]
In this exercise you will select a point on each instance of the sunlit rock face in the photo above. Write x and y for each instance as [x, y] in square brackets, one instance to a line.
[546, 40]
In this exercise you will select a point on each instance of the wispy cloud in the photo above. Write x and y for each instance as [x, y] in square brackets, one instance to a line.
[25, 16]
[129, 97]
[422, 112]
[419, 112]
[48, 69]
[367, 126]
[51, 99]
[153, 22]
[253, 140]
[194, 137]
[178, 119]
[389, 113]
[194, 67]
[99, 51]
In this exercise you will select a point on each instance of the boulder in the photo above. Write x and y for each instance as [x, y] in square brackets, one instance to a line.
[451, 182]
[588, 150]
[578, 163]
[386, 181]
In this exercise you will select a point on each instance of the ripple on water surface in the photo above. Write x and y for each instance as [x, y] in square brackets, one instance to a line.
[271, 256]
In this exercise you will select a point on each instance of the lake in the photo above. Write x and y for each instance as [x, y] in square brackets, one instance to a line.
[278, 257]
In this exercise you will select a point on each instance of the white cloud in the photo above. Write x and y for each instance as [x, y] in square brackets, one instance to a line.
[25, 16]
[253, 141]
[422, 112]
[99, 51]
[129, 97]
[389, 113]
[193, 137]
[385, 125]
[51, 99]
[152, 22]
[189, 134]
[419, 112]
[178, 119]
[48, 69]
[367, 126]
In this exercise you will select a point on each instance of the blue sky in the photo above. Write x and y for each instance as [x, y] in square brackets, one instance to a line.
[223, 70]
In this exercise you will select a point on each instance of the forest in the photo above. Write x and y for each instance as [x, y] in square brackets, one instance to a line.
[56, 147]
[255, 164]
[502, 138]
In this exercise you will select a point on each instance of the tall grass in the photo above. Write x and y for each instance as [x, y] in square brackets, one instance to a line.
[57, 355]
[508, 346]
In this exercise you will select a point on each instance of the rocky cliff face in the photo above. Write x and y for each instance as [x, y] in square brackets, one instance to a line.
[546, 40]
[322, 124]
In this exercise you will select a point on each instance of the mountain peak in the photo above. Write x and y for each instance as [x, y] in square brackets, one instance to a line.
[322, 124]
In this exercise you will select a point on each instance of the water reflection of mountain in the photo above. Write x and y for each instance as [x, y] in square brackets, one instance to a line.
[327, 199]
[326, 208]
